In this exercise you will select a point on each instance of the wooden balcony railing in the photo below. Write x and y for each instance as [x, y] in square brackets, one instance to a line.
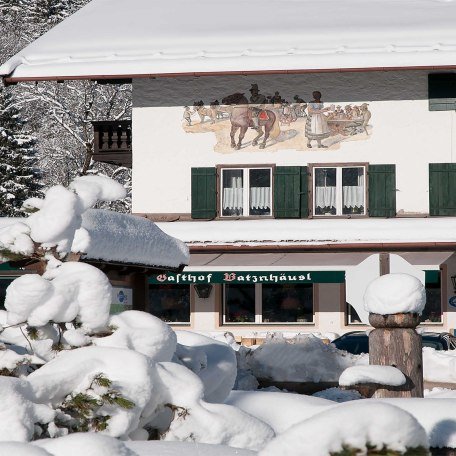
[112, 142]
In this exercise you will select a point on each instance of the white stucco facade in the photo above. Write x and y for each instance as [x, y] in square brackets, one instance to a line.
[403, 131]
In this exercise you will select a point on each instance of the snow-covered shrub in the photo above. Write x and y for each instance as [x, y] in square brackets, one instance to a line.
[352, 428]
[214, 362]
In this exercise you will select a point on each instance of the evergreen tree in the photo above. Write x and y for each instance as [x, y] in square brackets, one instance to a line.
[19, 177]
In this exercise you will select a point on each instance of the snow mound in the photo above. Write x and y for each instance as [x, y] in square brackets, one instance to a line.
[214, 362]
[87, 444]
[19, 412]
[197, 420]
[21, 449]
[61, 294]
[395, 293]
[437, 416]
[143, 333]
[439, 365]
[73, 371]
[353, 424]
[154, 448]
[91, 189]
[278, 410]
[307, 360]
[383, 375]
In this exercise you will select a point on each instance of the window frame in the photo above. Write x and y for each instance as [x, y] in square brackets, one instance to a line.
[258, 287]
[339, 166]
[245, 169]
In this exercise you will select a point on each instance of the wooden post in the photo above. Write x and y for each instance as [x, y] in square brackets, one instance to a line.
[395, 343]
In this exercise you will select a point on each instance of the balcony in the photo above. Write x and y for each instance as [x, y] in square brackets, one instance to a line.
[112, 142]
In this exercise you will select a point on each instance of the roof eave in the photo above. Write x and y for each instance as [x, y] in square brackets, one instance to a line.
[116, 78]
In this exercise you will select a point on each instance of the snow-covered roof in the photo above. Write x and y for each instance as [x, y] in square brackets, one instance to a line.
[126, 239]
[151, 37]
[314, 232]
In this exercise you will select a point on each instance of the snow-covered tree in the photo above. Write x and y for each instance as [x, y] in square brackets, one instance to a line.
[19, 176]
[60, 115]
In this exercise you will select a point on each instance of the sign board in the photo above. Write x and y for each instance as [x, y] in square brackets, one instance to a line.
[243, 277]
[122, 299]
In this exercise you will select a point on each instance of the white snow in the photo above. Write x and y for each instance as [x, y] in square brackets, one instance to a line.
[395, 293]
[437, 416]
[205, 422]
[213, 361]
[19, 411]
[141, 332]
[130, 239]
[21, 449]
[65, 222]
[124, 39]
[154, 448]
[354, 424]
[307, 360]
[87, 444]
[73, 290]
[279, 410]
[313, 232]
[74, 370]
[383, 375]
[439, 365]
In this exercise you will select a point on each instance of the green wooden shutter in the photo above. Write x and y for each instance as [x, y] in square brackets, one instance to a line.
[442, 188]
[290, 192]
[204, 193]
[382, 190]
[442, 91]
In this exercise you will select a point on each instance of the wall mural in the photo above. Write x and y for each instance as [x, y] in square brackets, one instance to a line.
[271, 122]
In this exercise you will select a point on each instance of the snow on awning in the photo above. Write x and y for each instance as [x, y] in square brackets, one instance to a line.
[314, 232]
[127, 239]
[118, 38]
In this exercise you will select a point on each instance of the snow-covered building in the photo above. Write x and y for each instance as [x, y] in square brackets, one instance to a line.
[300, 149]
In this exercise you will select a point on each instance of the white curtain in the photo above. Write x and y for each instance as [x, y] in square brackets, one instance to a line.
[233, 195]
[260, 197]
[354, 195]
[325, 197]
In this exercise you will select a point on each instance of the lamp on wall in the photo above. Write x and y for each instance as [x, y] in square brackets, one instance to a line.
[203, 290]
[453, 281]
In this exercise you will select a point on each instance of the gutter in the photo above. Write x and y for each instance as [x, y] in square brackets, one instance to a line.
[325, 248]
[126, 78]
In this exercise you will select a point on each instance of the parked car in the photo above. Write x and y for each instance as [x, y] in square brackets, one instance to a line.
[357, 342]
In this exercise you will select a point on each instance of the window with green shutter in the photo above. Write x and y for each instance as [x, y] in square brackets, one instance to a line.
[382, 190]
[442, 91]
[290, 192]
[204, 193]
[442, 189]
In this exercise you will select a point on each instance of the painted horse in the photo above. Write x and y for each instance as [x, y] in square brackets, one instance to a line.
[241, 116]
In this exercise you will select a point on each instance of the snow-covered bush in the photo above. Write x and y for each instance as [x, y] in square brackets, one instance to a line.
[350, 429]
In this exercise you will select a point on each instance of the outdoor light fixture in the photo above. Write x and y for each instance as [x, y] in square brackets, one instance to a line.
[453, 281]
[203, 290]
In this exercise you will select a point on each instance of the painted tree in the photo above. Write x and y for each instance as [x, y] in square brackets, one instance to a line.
[19, 176]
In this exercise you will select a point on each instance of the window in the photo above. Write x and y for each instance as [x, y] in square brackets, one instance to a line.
[288, 303]
[339, 190]
[171, 303]
[442, 91]
[246, 192]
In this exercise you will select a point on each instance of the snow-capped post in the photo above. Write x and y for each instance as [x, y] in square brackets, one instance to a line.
[394, 303]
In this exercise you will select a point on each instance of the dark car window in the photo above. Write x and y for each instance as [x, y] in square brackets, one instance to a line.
[353, 344]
